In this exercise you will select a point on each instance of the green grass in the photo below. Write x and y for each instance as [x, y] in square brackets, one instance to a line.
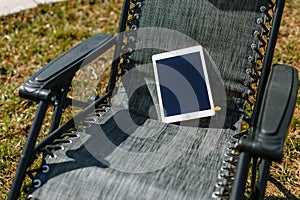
[28, 41]
[287, 52]
[31, 38]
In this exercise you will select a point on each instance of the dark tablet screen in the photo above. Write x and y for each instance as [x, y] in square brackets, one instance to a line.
[182, 84]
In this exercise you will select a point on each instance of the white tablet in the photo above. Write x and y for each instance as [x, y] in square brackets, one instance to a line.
[182, 85]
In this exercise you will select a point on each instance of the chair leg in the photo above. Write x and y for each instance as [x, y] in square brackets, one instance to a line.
[263, 175]
[239, 184]
[27, 155]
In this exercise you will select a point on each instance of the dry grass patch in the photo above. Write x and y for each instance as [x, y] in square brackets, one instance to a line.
[287, 173]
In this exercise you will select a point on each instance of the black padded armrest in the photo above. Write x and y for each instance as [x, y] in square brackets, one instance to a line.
[61, 70]
[275, 116]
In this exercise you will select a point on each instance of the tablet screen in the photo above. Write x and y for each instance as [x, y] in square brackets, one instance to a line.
[182, 85]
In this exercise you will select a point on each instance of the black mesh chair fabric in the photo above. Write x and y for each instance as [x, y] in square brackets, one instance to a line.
[127, 153]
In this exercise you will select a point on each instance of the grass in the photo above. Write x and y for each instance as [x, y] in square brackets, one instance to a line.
[31, 38]
[287, 173]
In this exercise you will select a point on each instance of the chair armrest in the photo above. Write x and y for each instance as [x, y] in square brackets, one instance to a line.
[275, 116]
[61, 70]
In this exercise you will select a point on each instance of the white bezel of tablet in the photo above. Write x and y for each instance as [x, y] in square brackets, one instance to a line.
[189, 115]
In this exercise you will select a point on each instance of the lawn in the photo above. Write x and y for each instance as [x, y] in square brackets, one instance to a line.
[32, 38]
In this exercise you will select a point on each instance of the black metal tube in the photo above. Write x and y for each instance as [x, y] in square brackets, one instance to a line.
[241, 175]
[124, 15]
[28, 155]
[262, 179]
[119, 43]
[268, 60]
[254, 174]
[58, 109]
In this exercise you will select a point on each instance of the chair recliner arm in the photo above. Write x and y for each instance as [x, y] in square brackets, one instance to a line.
[275, 116]
[61, 70]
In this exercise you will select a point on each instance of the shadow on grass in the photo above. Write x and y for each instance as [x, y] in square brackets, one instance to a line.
[286, 192]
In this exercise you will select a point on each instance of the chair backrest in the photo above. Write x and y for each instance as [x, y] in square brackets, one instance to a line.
[230, 31]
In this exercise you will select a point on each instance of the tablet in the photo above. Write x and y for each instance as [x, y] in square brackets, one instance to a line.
[182, 85]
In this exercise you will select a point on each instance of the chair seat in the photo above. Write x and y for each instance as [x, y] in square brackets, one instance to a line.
[156, 161]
